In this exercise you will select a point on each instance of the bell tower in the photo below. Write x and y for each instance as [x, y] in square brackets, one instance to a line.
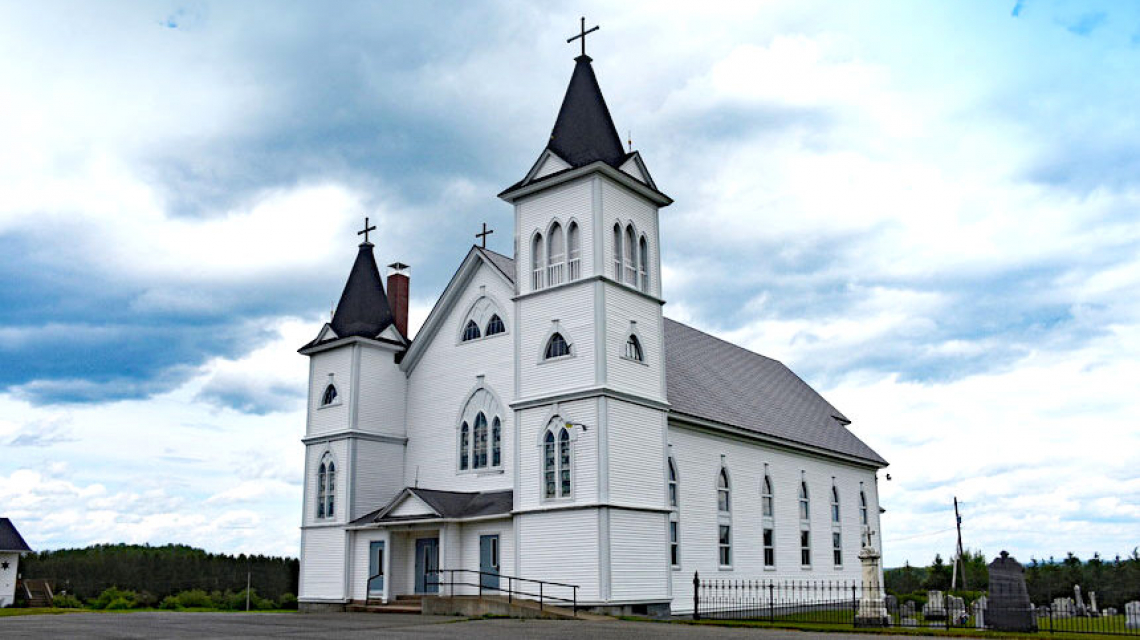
[590, 379]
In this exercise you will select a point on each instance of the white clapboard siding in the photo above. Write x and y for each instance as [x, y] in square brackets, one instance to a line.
[639, 378]
[636, 454]
[639, 567]
[335, 416]
[584, 454]
[412, 506]
[534, 214]
[466, 556]
[381, 406]
[698, 460]
[561, 546]
[552, 164]
[573, 308]
[379, 473]
[443, 381]
[322, 564]
[359, 568]
[630, 167]
[338, 449]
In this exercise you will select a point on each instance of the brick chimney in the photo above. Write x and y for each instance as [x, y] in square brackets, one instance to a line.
[398, 284]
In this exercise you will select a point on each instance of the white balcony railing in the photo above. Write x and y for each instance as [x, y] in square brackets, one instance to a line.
[537, 283]
[575, 268]
[554, 273]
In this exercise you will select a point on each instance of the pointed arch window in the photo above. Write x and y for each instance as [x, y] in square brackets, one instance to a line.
[556, 461]
[549, 465]
[556, 253]
[471, 331]
[630, 257]
[643, 263]
[834, 504]
[329, 396]
[673, 498]
[326, 488]
[863, 508]
[805, 502]
[768, 513]
[633, 349]
[564, 463]
[479, 460]
[617, 252]
[495, 326]
[766, 497]
[556, 346]
[723, 492]
[496, 442]
[573, 251]
[536, 261]
[464, 446]
[674, 516]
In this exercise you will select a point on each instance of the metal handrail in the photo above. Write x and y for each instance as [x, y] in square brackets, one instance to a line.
[368, 588]
[511, 591]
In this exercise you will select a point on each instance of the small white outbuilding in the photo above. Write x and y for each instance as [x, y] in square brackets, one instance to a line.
[12, 546]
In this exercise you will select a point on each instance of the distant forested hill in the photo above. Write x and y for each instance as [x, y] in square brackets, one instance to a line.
[160, 571]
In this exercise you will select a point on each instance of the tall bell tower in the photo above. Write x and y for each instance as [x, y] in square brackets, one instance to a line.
[591, 505]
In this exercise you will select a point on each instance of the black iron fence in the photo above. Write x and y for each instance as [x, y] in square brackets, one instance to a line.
[853, 603]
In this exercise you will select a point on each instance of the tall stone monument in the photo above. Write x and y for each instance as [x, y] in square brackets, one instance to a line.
[872, 606]
[1008, 608]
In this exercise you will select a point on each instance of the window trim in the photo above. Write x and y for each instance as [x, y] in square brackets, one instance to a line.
[765, 548]
[480, 400]
[805, 534]
[556, 426]
[326, 494]
[723, 546]
[556, 327]
[481, 316]
[467, 328]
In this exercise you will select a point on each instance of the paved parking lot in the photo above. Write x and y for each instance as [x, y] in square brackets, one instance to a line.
[359, 625]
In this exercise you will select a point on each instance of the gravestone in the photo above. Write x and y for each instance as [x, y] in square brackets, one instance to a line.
[1132, 614]
[1110, 611]
[978, 608]
[906, 614]
[1093, 609]
[935, 607]
[1079, 602]
[1008, 606]
[892, 603]
[956, 609]
[872, 606]
[1064, 608]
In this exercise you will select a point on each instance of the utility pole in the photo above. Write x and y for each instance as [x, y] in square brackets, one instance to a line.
[958, 561]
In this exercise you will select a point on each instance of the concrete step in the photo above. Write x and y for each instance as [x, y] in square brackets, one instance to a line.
[392, 607]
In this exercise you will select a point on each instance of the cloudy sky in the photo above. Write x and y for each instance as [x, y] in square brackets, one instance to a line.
[928, 211]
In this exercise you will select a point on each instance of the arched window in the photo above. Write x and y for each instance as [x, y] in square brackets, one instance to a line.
[328, 396]
[672, 484]
[495, 326]
[326, 488]
[723, 500]
[549, 465]
[464, 446]
[643, 263]
[768, 513]
[564, 462]
[471, 331]
[536, 262]
[496, 442]
[556, 252]
[633, 349]
[481, 432]
[557, 346]
[835, 504]
[479, 460]
[630, 257]
[805, 504]
[617, 252]
[862, 508]
[766, 497]
[574, 251]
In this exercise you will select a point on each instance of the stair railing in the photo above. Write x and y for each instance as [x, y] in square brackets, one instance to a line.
[516, 586]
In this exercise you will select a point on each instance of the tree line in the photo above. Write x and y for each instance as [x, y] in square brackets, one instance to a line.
[159, 571]
[1115, 581]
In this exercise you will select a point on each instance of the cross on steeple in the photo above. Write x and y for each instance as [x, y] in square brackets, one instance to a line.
[483, 236]
[366, 229]
[582, 35]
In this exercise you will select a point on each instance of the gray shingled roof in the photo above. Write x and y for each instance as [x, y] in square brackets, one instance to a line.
[10, 539]
[450, 504]
[710, 378]
[716, 380]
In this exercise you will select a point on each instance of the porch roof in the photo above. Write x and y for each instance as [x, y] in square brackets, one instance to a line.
[445, 504]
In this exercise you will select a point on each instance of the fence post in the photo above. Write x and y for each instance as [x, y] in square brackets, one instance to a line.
[854, 602]
[771, 602]
[575, 601]
[510, 590]
[540, 597]
[696, 595]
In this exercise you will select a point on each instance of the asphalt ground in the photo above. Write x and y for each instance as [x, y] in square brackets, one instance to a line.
[362, 625]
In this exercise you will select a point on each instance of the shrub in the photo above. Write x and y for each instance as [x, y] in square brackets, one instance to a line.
[235, 601]
[119, 604]
[66, 601]
[287, 601]
[103, 600]
[196, 598]
[170, 603]
[145, 599]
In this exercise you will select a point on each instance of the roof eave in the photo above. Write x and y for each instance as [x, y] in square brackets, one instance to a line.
[318, 347]
[515, 193]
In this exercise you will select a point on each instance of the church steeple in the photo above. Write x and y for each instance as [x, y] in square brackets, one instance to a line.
[584, 131]
[363, 309]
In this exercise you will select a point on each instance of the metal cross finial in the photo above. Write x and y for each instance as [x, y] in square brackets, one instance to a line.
[483, 236]
[366, 230]
[582, 35]
[869, 532]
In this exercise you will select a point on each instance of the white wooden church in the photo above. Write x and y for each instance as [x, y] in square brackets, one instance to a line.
[549, 422]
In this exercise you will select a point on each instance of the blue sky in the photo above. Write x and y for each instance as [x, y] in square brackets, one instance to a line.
[928, 211]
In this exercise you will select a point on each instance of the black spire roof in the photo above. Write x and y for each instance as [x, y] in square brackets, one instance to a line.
[584, 131]
[10, 539]
[363, 308]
